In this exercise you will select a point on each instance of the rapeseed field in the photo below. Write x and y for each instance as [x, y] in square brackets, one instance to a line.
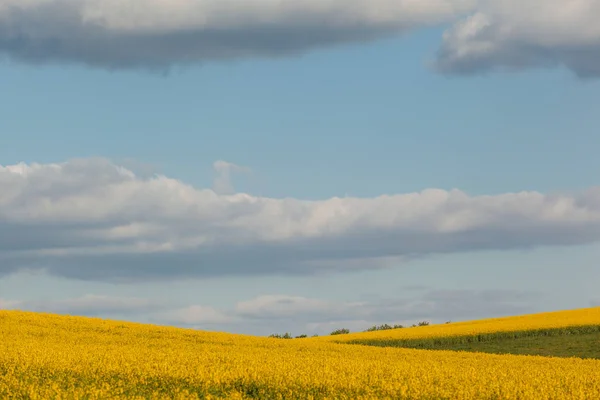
[45, 356]
[570, 322]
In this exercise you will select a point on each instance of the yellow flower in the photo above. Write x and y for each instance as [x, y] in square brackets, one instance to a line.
[44, 356]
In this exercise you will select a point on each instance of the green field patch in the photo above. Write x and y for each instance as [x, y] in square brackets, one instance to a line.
[574, 341]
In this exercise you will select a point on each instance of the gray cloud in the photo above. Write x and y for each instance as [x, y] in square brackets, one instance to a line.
[517, 34]
[158, 33]
[93, 220]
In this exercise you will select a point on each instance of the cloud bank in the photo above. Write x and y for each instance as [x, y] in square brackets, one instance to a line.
[161, 33]
[90, 219]
[517, 34]
[158, 34]
[267, 314]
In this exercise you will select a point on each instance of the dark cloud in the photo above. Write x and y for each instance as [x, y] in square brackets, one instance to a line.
[157, 34]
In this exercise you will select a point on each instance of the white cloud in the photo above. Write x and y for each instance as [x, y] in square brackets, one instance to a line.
[93, 220]
[159, 33]
[514, 34]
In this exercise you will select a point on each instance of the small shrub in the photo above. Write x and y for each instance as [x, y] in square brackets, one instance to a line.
[383, 327]
[342, 331]
[278, 336]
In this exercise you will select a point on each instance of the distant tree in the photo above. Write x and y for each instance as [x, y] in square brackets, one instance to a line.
[383, 327]
[301, 336]
[342, 331]
[278, 336]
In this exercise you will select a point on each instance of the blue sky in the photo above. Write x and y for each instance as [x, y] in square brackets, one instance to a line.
[403, 113]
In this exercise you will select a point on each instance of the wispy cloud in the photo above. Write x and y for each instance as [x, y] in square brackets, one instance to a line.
[93, 220]
[224, 172]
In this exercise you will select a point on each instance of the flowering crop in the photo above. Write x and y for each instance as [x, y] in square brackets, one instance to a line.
[44, 356]
[571, 321]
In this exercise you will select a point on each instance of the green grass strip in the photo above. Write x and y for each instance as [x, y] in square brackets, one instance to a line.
[573, 341]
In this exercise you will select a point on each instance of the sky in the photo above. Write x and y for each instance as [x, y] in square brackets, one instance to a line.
[299, 166]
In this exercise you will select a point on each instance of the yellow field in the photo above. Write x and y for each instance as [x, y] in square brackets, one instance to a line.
[44, 356]
[549, 320]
